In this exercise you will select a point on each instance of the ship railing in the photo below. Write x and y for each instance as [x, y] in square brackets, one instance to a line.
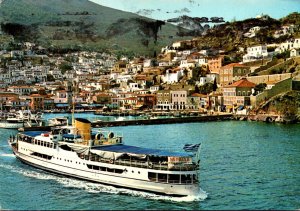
[165, 180]
[178, 181]
[146, 165]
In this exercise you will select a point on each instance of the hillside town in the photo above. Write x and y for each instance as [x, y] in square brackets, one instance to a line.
[180, 78]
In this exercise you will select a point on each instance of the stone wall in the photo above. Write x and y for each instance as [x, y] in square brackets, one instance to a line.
[268, 78]
[280, 87]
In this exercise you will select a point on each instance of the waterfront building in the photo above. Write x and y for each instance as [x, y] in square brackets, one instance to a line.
[238, 94]
[163, 100]
[146, 100]
[37, 102]
[232, 72]
[179, 99]
[197, 101]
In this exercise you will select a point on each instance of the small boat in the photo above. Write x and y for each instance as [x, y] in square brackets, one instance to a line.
[104, 158]
[58, 121]
[22, 118]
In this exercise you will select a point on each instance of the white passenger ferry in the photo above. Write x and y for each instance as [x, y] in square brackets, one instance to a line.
[99, 157]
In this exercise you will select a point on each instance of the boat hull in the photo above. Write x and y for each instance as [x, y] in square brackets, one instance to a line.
[9, 125]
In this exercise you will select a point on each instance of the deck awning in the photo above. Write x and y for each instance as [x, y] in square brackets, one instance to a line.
[140, 151]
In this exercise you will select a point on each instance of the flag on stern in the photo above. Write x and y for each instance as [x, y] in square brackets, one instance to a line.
[191, 147]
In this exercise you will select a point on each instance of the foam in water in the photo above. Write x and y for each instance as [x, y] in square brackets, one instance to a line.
[7, 155]
[99, 188]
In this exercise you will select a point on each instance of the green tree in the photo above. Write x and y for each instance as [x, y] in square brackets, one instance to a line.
[64, 67]
[259, 88]
[215, 85]
[196, 89]
[206, 88]
[50, 78]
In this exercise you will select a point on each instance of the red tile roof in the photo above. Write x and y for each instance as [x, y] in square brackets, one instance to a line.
[231, 65]
[198, 95]
[242, 83]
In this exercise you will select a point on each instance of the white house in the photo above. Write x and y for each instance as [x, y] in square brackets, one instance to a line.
[172, 77]
[252, 31]
[209, 79]
[294, 52]
[288, 45]
[147, 63]
[202, 61]
[187, 63]
[154, 88]
[284, 30]
[256, 52]
[133, 87]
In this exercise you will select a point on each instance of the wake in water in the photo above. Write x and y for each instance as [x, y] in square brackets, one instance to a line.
[7, 155]
[99, 188]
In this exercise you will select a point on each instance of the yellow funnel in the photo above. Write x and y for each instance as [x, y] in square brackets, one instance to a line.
[83, 127]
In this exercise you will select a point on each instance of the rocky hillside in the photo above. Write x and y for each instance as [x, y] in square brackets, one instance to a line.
[285, 104]
[229, 36]
[83, 24]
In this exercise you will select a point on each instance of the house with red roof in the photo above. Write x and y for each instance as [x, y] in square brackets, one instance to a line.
[238, 94]
[232, 72]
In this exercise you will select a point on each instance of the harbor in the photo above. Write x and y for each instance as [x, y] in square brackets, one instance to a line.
[237, 166]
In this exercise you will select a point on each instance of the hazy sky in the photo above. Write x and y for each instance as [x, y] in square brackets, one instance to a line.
[229, 9]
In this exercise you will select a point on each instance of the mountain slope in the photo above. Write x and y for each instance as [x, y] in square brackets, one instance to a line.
[81, 23]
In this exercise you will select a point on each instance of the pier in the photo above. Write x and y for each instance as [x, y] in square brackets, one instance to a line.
[155, 121]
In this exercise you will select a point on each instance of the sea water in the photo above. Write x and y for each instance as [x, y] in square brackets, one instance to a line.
[244, 165]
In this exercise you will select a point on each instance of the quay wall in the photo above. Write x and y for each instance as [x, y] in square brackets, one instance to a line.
[206, 118]
[164, 120]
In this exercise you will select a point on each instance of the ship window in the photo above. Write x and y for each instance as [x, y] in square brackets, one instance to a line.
[162, 177]
[152, 176]
[102, 168]
[118, 171]
[65, 147]
[174, 178]
[186, 178]
[47, 144]
[110, 170]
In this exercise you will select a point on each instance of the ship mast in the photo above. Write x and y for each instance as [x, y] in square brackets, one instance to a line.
[73, 102]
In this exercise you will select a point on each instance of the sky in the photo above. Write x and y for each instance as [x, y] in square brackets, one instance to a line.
[228, 9]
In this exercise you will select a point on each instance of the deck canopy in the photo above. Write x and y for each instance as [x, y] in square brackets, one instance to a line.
[140, 151]
[34, 133]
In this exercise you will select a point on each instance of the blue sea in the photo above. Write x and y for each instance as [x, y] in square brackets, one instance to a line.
[244, 165]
